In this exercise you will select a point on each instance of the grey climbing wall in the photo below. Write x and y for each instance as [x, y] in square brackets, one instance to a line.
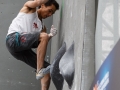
[88, 65]
[75, 21]
[14, 74]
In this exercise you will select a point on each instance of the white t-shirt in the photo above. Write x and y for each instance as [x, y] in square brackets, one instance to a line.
[25, 23]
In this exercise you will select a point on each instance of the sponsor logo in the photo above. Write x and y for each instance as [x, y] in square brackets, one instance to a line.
[23, 39]
[103, 83]
[95, 87]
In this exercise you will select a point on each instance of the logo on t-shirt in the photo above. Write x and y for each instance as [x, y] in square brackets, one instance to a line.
[35, 25]
[23, 39]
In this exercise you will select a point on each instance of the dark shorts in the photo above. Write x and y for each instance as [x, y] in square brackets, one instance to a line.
[20, 46]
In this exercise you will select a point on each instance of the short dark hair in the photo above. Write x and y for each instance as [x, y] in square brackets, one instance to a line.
[50, 2]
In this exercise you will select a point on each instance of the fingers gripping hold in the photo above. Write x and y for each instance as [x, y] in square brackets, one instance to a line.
[53, 31]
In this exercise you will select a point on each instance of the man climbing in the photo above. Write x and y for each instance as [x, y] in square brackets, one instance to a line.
[27, 31]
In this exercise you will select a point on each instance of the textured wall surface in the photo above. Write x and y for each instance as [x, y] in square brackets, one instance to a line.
[75, 21]
[14, 74]
[88, 65]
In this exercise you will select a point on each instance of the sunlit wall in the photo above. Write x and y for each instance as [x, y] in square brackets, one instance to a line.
[107, 29]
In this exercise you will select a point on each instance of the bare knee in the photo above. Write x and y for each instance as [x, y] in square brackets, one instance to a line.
[44, 36]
